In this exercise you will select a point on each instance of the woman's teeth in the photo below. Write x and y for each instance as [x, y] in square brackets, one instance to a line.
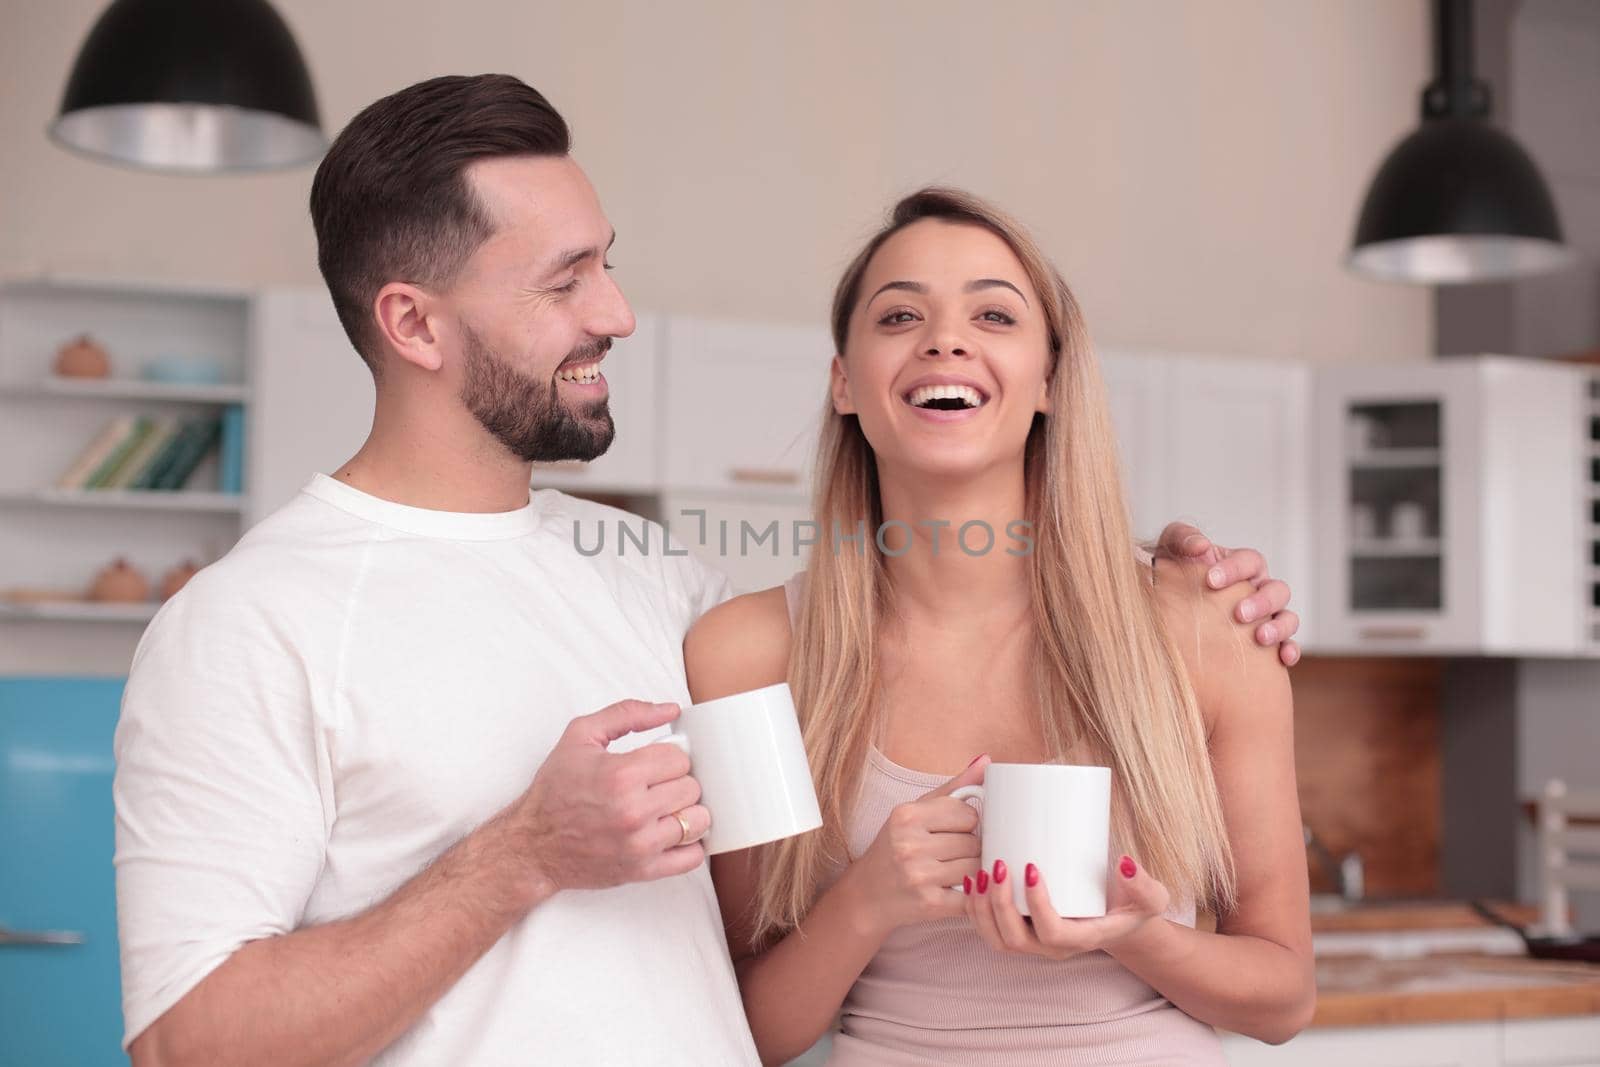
[584, 374]
[945, 397]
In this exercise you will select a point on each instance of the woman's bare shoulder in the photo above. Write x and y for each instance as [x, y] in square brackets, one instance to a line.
[738, 645]
[1226, 667]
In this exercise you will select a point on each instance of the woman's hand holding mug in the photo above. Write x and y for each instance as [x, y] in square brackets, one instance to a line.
[924, 848]
[1133, 900]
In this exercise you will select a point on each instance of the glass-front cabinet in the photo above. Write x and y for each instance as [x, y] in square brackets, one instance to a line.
[1591, 517]
[1449, 509]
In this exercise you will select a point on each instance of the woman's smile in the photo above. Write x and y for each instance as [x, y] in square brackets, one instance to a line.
[945, 398]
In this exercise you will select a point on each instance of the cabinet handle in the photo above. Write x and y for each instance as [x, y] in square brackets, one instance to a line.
[1392, 633]
[763, 476]
[9, 936]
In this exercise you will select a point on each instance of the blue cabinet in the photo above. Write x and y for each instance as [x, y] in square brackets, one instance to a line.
[59, 1003]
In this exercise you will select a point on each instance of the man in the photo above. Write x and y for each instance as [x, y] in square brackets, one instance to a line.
[356, 817]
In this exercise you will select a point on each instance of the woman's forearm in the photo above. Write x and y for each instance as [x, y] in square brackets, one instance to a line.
[792, 992]
[1236, 982]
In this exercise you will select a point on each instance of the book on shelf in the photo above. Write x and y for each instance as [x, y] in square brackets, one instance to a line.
[99, 450]
[119, 455]
[141, 453]
[189, 448]
[162, 431]
[231, 476]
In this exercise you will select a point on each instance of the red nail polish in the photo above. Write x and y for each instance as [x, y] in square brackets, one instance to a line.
[966, 885]
[983, 881]
[999, 871]
[1128, 867]
[1030, 876]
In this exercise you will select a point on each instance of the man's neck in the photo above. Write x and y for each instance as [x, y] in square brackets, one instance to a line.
[434, 460]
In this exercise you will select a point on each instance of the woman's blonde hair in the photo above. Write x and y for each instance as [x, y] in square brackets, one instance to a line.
[1109, 683]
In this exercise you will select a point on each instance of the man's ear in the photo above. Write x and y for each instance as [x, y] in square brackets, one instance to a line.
[839, 385]
[406, 318]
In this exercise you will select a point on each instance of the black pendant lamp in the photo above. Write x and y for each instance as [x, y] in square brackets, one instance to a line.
[193, 86]
[1457, 201]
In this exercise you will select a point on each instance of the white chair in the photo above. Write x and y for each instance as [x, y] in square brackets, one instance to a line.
[1569, 856]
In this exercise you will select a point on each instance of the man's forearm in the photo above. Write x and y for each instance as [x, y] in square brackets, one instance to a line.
[340, 992]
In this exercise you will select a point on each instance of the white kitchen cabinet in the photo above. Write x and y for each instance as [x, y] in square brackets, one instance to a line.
[1136, 387]
[1221, 443]
[757, 541]
[1474, 1044]
[314, 396]
[1451, 508]
[744, 402]
[1570, 1041]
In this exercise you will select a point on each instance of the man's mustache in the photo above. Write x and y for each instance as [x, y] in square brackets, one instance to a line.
[588, 351]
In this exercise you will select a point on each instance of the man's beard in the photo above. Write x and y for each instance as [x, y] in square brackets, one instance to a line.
[527, 415]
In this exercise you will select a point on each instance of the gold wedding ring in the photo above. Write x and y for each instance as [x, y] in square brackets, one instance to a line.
[683, 838]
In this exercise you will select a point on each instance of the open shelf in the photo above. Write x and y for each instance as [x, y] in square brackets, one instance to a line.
[134, 499]
[1396, 457]
[1396, 548]
[128, 389]
[77, 611]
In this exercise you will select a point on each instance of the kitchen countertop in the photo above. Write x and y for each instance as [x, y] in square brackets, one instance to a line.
[1355, 991]
[1381, 962]
[1379, 915]
[1410, 929]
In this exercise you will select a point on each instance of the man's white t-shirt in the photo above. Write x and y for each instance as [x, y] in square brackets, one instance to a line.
[359, 684]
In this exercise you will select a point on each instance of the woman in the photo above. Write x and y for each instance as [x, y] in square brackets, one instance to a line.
[965, 391]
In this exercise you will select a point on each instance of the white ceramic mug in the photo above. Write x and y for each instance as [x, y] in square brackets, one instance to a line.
[1054, 816]
[746, 752]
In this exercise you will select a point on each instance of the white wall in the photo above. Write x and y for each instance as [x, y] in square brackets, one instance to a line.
[1194, 167]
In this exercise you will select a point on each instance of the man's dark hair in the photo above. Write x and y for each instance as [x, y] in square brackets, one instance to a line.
[391, 201]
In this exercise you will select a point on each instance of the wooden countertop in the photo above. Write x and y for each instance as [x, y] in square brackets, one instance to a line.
[1363, 990]
[1381, 916]
[1356, 991]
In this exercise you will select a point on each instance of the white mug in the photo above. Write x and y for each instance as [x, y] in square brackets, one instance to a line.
[1056, 817]
[746, 752]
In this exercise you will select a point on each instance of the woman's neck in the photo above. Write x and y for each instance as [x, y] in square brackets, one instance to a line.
[966, 564]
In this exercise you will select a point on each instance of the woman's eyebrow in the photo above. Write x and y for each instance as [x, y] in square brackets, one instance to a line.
[910, 287]
[990, 283]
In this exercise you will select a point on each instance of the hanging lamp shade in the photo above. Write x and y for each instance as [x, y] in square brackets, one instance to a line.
[195, 86]
[1458, 200]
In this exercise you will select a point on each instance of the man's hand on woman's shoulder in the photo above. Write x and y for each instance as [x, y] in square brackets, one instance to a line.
[1261, 600]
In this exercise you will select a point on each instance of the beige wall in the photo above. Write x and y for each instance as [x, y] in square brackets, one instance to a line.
[1194, 166]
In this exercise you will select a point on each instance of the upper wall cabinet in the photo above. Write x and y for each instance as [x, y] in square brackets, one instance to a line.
[744, 402]
[1223, 444]
[1453, 508]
